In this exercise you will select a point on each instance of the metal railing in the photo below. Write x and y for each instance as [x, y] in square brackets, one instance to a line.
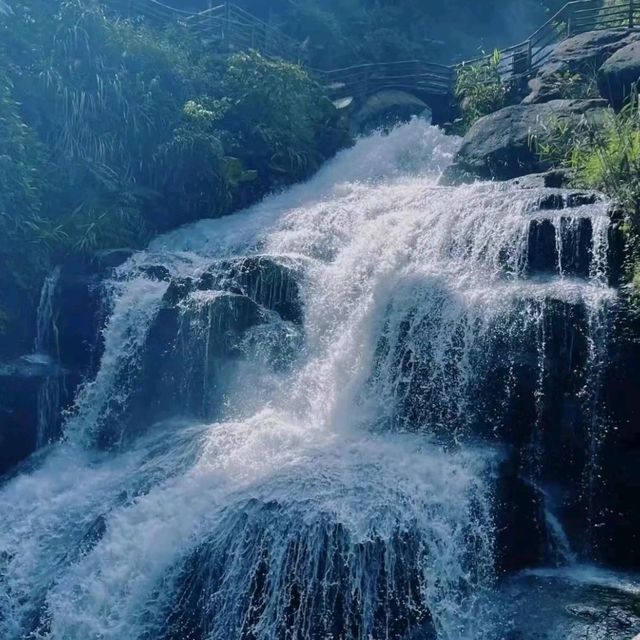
[515, 63]
[228, 27]
[576, 17]
[365, 79]
[235, 29]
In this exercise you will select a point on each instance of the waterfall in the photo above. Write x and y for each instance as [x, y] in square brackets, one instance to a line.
[47, 346]
[46, 327]
[559, 544]
[297, 425]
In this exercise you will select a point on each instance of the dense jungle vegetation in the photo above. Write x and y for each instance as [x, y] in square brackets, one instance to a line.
[111, 132]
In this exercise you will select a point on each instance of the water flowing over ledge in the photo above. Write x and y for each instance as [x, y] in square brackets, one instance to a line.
[295, 430]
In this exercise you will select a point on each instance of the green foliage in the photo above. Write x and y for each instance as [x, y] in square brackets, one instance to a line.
[610, 161]
[560, 140]
[188, 171]
[21, 161]
[273, 126]
[278, 113]
[480, 89]
[111, 131]
[606, 158]
[18, 159]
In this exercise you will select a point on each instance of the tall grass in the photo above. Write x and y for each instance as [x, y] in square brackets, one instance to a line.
[479, 90]
[605, 158]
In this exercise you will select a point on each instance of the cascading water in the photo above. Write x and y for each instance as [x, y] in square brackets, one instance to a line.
[46, 346]
[293, 432]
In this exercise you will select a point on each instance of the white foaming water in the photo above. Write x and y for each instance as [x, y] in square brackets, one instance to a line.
[304, 511]
[46, 329]
[137, 301]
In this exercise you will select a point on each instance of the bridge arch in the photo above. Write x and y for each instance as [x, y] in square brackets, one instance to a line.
[386, 108]
[409, 81]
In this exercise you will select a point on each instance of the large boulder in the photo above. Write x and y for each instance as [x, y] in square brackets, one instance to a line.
[500, 145]
[583, 54]
[619, 75]
[200, 337]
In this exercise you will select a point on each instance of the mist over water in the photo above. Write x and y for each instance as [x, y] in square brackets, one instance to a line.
[320, 460]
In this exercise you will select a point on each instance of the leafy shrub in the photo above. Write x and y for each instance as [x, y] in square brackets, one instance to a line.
[281, 115]
[188, 169]
[610, 161]
[273, 126]
[606, 158]
[20, 200]
[480, 89]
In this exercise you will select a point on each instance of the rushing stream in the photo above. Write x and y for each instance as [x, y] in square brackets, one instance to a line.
[296, 429]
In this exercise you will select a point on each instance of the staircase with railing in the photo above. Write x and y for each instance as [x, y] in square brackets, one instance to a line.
[579, 16]
[228, 27]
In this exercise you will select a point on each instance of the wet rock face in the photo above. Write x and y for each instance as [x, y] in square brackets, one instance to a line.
[528, 391]
[501, 146]
[268, 282]
[619, 75]
[20, 382]
[543, 257]
[521, 537]
[297, 591]
[200, 337]
[534, 380]
[187, 361]
[583, 54]
[36, 388]
[618, 530]
[203, 320]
